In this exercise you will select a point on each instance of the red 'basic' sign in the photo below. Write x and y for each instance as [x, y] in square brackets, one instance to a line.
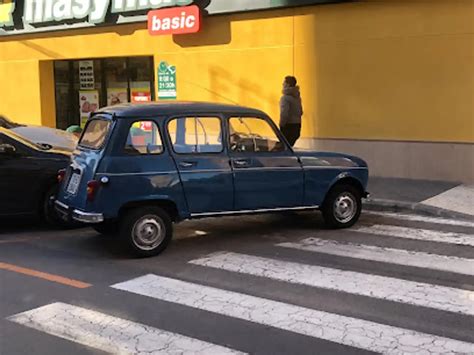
[176, 20]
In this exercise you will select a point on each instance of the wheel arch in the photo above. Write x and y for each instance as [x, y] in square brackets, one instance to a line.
[346, 180]
[167, 205]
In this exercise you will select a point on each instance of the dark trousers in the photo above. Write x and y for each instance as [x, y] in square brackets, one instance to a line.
[291, 132]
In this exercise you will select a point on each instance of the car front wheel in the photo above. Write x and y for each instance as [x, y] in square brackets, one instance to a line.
[342, 206]
[146, 231]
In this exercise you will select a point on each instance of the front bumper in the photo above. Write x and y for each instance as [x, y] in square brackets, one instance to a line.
[68, 214]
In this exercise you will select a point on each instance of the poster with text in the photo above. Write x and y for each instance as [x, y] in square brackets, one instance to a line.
[86, 75]
[166, 81]
[139, 95]
[88, 103]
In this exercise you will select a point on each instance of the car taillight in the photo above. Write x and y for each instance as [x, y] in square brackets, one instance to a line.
[61, 174]
[92, 187]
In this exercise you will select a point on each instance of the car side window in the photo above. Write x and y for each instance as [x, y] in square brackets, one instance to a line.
[253, 134]
[143, 139]
[194, 135]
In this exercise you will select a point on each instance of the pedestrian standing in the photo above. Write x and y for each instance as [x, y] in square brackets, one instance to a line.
[291, 110]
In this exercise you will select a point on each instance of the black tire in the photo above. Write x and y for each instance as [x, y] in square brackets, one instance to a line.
[146, 231]
[342, 206]
[48, 211]
[108, 228]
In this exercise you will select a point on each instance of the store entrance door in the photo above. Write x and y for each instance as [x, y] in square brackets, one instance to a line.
[83, 86]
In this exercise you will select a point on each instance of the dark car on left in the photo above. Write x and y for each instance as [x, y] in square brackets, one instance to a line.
[29, 176]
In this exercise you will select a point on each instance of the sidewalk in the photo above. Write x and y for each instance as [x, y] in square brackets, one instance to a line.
[436, 198]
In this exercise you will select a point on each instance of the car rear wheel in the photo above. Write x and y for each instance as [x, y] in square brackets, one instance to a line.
[342, 206]
[146, 231]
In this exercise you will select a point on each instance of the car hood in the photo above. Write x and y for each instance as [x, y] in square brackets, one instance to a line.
[329, 159]
[50, 136]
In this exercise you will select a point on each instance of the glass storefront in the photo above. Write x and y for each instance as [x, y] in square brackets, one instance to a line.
[83, 86]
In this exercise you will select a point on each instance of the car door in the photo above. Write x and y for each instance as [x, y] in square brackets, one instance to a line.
[200, 155]
[20, 178]
[267, 174]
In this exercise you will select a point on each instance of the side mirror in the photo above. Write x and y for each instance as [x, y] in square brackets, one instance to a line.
[7, 149]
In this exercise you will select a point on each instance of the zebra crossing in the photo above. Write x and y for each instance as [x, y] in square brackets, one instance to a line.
[87, 325]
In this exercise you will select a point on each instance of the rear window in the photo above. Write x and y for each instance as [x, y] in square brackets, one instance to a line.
[95, 134]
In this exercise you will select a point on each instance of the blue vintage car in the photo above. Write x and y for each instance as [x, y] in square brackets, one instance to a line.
[139, 168]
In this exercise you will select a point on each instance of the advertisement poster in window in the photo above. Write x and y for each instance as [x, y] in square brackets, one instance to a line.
[86, 75]
[116, 96]
[140, 92]
[166, 81]
[88, 103]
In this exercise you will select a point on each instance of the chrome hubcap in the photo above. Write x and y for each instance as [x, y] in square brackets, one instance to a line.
[345, 207]
[148, 233]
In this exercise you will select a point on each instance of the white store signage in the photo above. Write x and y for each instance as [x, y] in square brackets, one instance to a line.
[41, 11]
[31, 16]
[86, 75]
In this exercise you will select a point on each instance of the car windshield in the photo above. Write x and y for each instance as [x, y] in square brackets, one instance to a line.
[95, 133]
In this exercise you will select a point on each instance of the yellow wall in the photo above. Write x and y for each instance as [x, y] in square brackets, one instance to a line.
[393, 69]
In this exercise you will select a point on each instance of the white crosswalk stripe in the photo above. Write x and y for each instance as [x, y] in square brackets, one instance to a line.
[115, 335]
[111, 334]
[336, 328]
[388, 255]
[417, 234]
[386, 288]
[425, 219]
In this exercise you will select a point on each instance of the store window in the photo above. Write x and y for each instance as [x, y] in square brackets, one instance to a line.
[116, 77]
[83, 86]
[140, 83]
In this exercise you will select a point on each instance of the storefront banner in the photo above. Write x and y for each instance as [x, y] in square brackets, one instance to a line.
[88, 103]
[86, 75]
[166, 81]
[174, 21]
[116, 96]
[28, 16]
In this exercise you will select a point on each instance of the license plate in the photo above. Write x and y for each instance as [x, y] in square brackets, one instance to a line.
[73, 185]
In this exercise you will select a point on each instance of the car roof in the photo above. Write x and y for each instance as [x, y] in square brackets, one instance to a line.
[175, 107]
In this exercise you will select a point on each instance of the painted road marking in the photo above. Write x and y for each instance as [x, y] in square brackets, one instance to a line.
[327, 326]
[386, 255]
[418, 218]
[418, 234]
[44, 275]
[111, 334]
[386, 288]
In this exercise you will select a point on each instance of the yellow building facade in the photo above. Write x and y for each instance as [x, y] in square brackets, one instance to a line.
[390, 80]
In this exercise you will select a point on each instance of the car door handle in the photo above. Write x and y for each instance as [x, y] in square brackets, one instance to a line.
[241, 163]
[187, 164]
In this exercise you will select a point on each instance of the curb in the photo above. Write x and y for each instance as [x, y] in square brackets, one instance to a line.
[402, 206]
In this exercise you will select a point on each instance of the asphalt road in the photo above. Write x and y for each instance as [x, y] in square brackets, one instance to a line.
[273, 284]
